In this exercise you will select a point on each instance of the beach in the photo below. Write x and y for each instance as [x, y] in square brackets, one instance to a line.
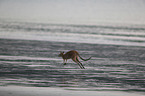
[36, 63]
[29, 57]
[43, 91]
[34, 32]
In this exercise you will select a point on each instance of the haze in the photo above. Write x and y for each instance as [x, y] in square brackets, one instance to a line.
[74, 11]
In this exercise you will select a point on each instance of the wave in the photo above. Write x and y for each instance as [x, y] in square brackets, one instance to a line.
[64, 28]
[131, 35]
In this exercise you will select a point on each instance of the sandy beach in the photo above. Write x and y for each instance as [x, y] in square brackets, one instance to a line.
[45, 91]
[34, 32]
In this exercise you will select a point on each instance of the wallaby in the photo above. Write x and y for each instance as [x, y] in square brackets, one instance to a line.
[74, 56]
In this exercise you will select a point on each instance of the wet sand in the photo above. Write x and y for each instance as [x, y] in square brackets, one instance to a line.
[36, 63]
[45, 91]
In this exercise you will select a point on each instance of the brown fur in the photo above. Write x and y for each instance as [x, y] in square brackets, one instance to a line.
[74, 56]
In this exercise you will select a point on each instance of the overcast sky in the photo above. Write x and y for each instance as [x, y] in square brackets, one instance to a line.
[75, 11]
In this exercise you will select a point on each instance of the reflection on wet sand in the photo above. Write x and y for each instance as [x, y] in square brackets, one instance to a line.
[111, 67]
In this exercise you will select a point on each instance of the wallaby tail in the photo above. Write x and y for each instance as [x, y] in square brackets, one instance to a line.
[84, 59]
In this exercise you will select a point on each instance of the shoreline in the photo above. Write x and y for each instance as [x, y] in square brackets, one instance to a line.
[49, 91]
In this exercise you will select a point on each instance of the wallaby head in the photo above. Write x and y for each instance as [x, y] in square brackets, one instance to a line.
[61, 54]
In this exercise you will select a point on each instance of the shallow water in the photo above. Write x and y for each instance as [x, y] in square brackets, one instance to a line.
[29, 56]
[130, 35]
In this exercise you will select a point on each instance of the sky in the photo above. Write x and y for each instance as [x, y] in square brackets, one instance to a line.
[74, 11]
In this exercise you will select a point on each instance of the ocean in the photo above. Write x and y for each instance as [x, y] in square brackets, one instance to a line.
[29, 56]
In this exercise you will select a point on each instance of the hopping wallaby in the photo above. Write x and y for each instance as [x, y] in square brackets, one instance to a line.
[74, 56]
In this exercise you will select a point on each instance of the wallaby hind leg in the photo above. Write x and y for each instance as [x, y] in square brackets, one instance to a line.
[80, 63]
[74, 59]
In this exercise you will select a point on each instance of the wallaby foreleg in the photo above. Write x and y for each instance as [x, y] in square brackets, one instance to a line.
[64, 63]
